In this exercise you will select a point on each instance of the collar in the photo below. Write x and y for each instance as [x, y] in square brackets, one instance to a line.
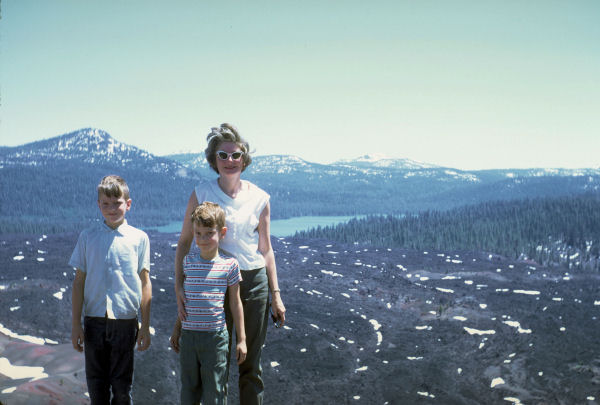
[119, 229]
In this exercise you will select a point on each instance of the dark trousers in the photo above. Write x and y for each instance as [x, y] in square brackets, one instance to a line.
[108, 345]
[203, 360]
[254, 292]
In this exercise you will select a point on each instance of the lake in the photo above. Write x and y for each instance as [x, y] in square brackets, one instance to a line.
[281, 227]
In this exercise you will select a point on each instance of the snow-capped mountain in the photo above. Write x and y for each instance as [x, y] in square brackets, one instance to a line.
[191, 160]
[378, 164]
[284, 164]
[383, 161]
[89, 146]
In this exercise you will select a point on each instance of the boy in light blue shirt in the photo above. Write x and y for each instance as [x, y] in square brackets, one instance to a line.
[111, 284]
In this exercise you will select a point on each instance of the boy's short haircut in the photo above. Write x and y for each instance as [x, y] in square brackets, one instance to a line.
[113, 186]
[209, 214]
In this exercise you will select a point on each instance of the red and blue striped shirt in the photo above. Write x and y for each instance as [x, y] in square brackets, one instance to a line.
[205, 283]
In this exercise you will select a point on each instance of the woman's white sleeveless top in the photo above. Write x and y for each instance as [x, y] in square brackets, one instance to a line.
[242, 214]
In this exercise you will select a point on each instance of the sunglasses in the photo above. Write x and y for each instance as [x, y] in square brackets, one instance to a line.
[234, 155]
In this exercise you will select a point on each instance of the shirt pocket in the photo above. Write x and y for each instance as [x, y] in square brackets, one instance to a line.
[124, 259]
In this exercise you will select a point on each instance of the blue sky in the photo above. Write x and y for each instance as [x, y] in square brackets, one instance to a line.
[467, 84]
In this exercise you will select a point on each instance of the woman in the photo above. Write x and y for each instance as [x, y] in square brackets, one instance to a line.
[248, 239]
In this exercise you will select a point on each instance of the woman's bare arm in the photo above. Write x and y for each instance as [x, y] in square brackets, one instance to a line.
[183, 248]
[266, 249]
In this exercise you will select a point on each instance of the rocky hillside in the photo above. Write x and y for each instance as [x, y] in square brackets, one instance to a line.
[365, 325]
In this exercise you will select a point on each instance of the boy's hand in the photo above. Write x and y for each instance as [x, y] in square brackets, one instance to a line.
[143, 339]
[241, 352]
[77, 337]
[180, 295]
[174, 340]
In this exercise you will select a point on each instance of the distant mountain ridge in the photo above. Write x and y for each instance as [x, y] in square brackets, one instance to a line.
[379, 160]
[72, 164]
[379, 165]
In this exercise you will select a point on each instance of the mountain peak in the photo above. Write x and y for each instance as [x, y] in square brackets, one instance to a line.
[372, 157]
[379, 160]
[92, 146]
[85, 139]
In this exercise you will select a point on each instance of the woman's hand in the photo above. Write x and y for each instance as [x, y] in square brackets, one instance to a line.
[278, 307]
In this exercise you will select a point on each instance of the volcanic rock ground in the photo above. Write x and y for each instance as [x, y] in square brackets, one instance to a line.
[364, 326]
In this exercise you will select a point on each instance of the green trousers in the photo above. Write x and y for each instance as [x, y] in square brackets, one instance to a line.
[203, 360]
[254, 292]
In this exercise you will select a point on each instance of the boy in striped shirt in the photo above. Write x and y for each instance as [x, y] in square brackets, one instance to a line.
[201, 337]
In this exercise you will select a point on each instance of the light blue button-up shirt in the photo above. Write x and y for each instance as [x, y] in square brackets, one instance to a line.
[112, 260]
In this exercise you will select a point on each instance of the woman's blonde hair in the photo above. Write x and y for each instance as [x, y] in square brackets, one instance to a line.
[225, 133]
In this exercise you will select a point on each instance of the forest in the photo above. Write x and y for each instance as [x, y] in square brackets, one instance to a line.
[63, 198]
[60, 196]
[549, 231]
[47, 188]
